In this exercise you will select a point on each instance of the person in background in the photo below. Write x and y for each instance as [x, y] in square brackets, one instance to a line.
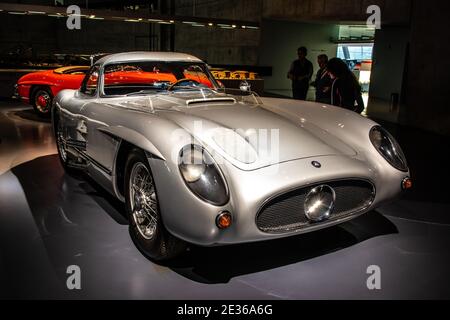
[323, 81]
[300, 74]
[346, 90]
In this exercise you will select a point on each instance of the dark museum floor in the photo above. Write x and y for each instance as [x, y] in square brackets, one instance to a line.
[49, 221]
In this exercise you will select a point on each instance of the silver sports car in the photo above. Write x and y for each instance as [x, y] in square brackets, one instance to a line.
[196, 163]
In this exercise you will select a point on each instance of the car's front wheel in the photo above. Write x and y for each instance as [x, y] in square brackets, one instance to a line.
[146, 226]
[42, 101]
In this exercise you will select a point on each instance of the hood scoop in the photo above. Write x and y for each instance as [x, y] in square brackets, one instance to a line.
[193, 102]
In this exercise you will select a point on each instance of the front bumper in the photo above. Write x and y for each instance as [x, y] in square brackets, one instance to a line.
[193, 220]
[22, 92]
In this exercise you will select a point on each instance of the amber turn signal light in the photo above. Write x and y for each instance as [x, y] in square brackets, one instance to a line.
[407, 183]
[224, 220]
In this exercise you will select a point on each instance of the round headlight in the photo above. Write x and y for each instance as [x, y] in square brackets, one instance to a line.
[388, 147]
[202, 176]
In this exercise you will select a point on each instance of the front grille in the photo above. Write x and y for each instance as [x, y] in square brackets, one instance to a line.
[286, 212]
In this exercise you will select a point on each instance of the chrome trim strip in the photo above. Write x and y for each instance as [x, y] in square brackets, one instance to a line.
[88, 158]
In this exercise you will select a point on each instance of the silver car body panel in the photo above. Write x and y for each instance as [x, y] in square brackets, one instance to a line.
[162, 125]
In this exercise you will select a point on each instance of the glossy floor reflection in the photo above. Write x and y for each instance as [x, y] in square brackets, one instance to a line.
[50, 220]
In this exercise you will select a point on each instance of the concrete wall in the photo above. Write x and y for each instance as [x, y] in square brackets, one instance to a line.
[388, 69]
[279, 44]
[389, 60]
[393, 11]
[427, 95]
[50, 35]
[248, 10]
[219, 46]
[236, 47]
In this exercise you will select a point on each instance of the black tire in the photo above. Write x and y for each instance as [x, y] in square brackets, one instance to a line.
[62, 149]
[161, 245]
[41, 100]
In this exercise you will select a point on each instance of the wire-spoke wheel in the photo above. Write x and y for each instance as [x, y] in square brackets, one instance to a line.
[143, 201]
[146, 226]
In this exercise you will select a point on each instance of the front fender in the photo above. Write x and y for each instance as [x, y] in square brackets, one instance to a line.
[133, 137]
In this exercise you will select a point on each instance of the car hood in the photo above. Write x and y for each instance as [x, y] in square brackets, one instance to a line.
[252, 136]
[249, 135]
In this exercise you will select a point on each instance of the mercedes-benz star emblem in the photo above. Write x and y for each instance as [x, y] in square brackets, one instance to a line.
[319, 203]
[316, 164]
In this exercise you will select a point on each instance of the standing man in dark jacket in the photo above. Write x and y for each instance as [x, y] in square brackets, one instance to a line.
[323, 81]
[300, 73]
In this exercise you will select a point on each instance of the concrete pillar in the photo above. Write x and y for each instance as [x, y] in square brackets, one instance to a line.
[428, 74]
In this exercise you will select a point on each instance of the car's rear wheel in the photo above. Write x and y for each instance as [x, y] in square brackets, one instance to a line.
[146, 226]
[42, 101]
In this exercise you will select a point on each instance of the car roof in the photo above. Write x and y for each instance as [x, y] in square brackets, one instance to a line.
[147, 56]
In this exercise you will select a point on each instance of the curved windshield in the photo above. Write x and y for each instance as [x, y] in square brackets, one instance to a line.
[147, 77]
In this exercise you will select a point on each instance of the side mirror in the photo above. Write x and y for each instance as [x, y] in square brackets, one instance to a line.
[245, 86]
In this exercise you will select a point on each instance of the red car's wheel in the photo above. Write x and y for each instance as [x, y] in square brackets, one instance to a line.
[42, 102]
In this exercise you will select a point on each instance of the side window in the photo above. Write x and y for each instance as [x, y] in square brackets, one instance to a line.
[90, 82]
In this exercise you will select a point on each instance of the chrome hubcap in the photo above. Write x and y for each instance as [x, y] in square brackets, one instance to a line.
[143, 201]
[42, 101]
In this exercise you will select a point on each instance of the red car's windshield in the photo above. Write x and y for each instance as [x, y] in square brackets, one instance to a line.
[155, 76]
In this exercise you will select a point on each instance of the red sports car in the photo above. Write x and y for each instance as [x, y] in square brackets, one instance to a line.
[39, 88]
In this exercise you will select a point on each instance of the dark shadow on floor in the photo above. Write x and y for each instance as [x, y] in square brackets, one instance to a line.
[58, 204]
[30, 114]
[221, 264]
[48, 189]
[110, 204]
